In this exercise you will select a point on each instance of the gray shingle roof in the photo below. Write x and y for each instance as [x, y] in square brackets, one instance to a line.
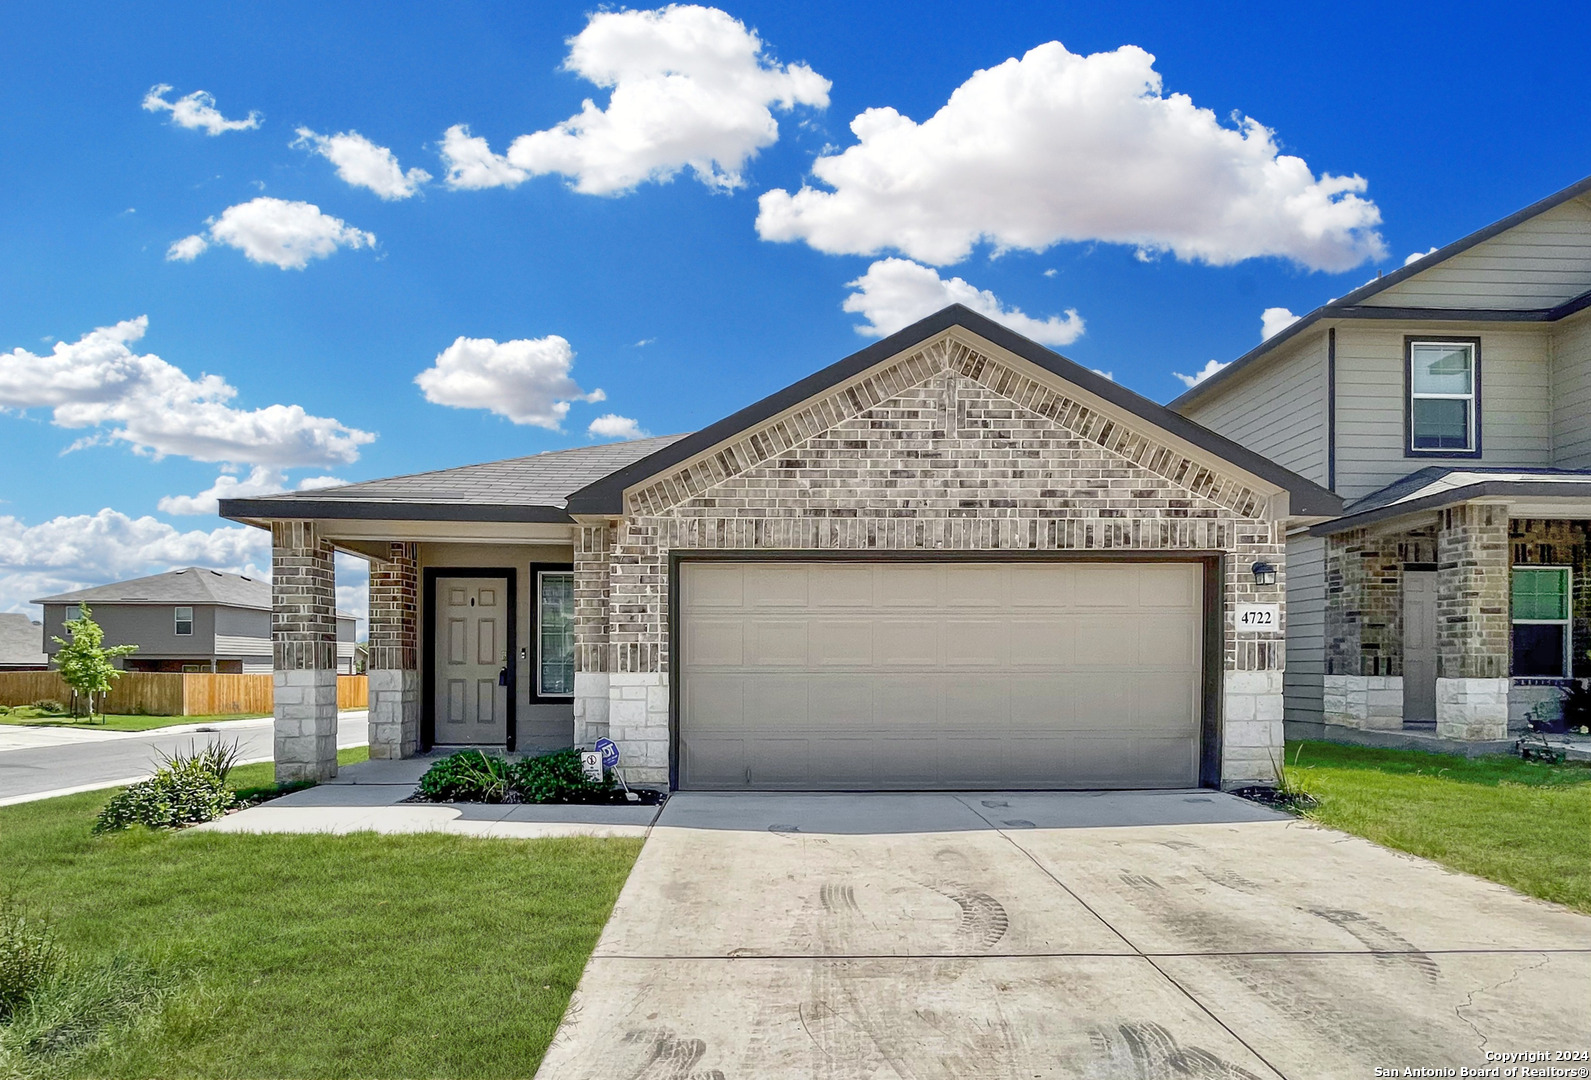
[540, 481]
[190, 585]
[1436, 486]
[21, 641]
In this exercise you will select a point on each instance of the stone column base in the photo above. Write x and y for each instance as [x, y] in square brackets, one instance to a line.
[1472, 709]
[638, 722]
[1367, 702]
[394, 713]
[591, 707]
[1251, 731]
[306, 724]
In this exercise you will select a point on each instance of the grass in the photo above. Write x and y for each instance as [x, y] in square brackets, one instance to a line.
[1524, 824]
[28, 716]
[320, 956]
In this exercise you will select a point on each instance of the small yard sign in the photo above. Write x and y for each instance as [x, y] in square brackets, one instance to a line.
[1259, 618]
[591, 764]
[609, 751]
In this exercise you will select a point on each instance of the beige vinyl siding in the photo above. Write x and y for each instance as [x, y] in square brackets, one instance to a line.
[1571, 397]
[1279, 410]
[1536, 264]
[1516, 409]
[1303, 687]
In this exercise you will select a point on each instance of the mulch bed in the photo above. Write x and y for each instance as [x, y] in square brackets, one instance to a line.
[648, 797]
[1276, 799]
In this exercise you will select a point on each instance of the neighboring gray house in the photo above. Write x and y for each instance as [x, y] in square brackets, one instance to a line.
[192, 619]
[954, 559]
[21, 643]
[1450, 404]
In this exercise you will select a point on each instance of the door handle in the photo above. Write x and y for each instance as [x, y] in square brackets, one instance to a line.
[502, 677]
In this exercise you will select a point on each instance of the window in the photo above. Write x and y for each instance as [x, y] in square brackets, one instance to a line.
[1443, 380]
[73, 613]
[185, 622]
[555, 633]
[1541, 602]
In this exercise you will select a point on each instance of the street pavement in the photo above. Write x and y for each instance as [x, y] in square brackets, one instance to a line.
[38, 762]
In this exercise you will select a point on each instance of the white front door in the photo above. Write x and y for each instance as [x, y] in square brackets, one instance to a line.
[471, 643]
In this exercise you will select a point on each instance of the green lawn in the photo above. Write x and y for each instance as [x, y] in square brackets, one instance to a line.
[321, 956]
[28, 716]
[1524, 824]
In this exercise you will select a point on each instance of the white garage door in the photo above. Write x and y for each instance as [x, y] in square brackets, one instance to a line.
[856, 676]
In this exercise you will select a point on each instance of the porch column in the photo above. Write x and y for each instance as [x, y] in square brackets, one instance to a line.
[304, 647]
[593, 544]
[394, 664]
[1472, 631]
[1364, 630]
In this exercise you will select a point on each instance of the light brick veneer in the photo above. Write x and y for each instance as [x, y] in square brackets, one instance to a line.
[304, 644]
[946, 449]
[393, 667]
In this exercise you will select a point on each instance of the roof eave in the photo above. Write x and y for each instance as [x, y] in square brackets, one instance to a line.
[1531, 489]
[255, 511]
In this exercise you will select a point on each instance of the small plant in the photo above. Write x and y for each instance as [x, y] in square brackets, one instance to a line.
[84, 659]
[28, 958]
[187, 789]
[468, 776]
[49, 705]
[558, 777]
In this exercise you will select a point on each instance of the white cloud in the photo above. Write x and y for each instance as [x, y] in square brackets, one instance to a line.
[1418, 255]
[614, 426]
[197, 110]
[1111, 375]
[691, 89]
[362, 163]
[1203, 373]
[261, 480]
[352, 577]
[471, 163]
[187, 249]
[74, 552]
[897, 292]
[1273, 320]
[526, 380]
[275, 231]
[1058, 147]
[157, 409]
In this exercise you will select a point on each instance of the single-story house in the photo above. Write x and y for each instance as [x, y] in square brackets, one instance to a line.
[954, 559]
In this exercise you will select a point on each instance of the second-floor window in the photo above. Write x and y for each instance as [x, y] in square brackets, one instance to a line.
[1443, 407]
[185, 622]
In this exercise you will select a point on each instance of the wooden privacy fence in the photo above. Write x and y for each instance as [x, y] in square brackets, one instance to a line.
[163, 694]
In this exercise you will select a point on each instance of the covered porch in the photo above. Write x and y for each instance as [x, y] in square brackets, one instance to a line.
[1461, 611]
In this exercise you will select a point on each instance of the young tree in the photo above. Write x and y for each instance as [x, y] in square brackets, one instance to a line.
[84, 660]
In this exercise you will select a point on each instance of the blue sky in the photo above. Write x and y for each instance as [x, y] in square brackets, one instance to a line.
[640, 253]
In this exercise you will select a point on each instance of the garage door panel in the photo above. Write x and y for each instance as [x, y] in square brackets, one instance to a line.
[811, 676]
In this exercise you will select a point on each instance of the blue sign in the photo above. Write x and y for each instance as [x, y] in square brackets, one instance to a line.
[609, 751]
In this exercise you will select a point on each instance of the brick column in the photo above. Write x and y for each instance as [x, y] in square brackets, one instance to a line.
[593, 544]
[394, 665]
[1363, 684]
[1472, 630]
[1252, 741]
[304, 645]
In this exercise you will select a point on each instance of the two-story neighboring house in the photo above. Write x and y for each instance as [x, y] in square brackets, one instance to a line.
[192, 619]
[1449, 404]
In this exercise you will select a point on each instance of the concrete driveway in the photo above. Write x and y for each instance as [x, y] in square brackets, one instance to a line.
[1173, 934]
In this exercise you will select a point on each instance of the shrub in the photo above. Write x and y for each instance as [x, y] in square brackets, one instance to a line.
[49, 705]
[187, 789]
[28, 958]
[468, 776]
[558, 777]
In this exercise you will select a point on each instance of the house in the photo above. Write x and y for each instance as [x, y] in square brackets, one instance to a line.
[1449, 404]
[953, 559]
[192, 619]
[21, 643]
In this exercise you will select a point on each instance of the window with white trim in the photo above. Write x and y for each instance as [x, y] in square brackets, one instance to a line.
[555, 633]
[184, 622]
[1442, 380]
[1541, 605]
[72, 613]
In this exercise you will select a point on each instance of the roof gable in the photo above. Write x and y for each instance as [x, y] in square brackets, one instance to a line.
[848, 387]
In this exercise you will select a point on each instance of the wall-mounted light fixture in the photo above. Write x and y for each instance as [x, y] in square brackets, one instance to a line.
[1264, 573]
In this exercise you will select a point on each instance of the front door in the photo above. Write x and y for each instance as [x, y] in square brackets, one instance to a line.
[471, 643]
[1419, 646]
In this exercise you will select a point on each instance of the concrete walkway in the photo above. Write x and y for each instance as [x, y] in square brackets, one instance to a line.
[1174, 934]
[368, 797]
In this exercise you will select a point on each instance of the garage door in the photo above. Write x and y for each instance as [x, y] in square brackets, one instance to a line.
[912, 675]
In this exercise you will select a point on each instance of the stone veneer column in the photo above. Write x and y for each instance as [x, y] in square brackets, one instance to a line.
[1472, 629]
[638, 705]
[1363, 684]
[592, 548]
[304, 646]
[1252, 740]
[394, 665]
